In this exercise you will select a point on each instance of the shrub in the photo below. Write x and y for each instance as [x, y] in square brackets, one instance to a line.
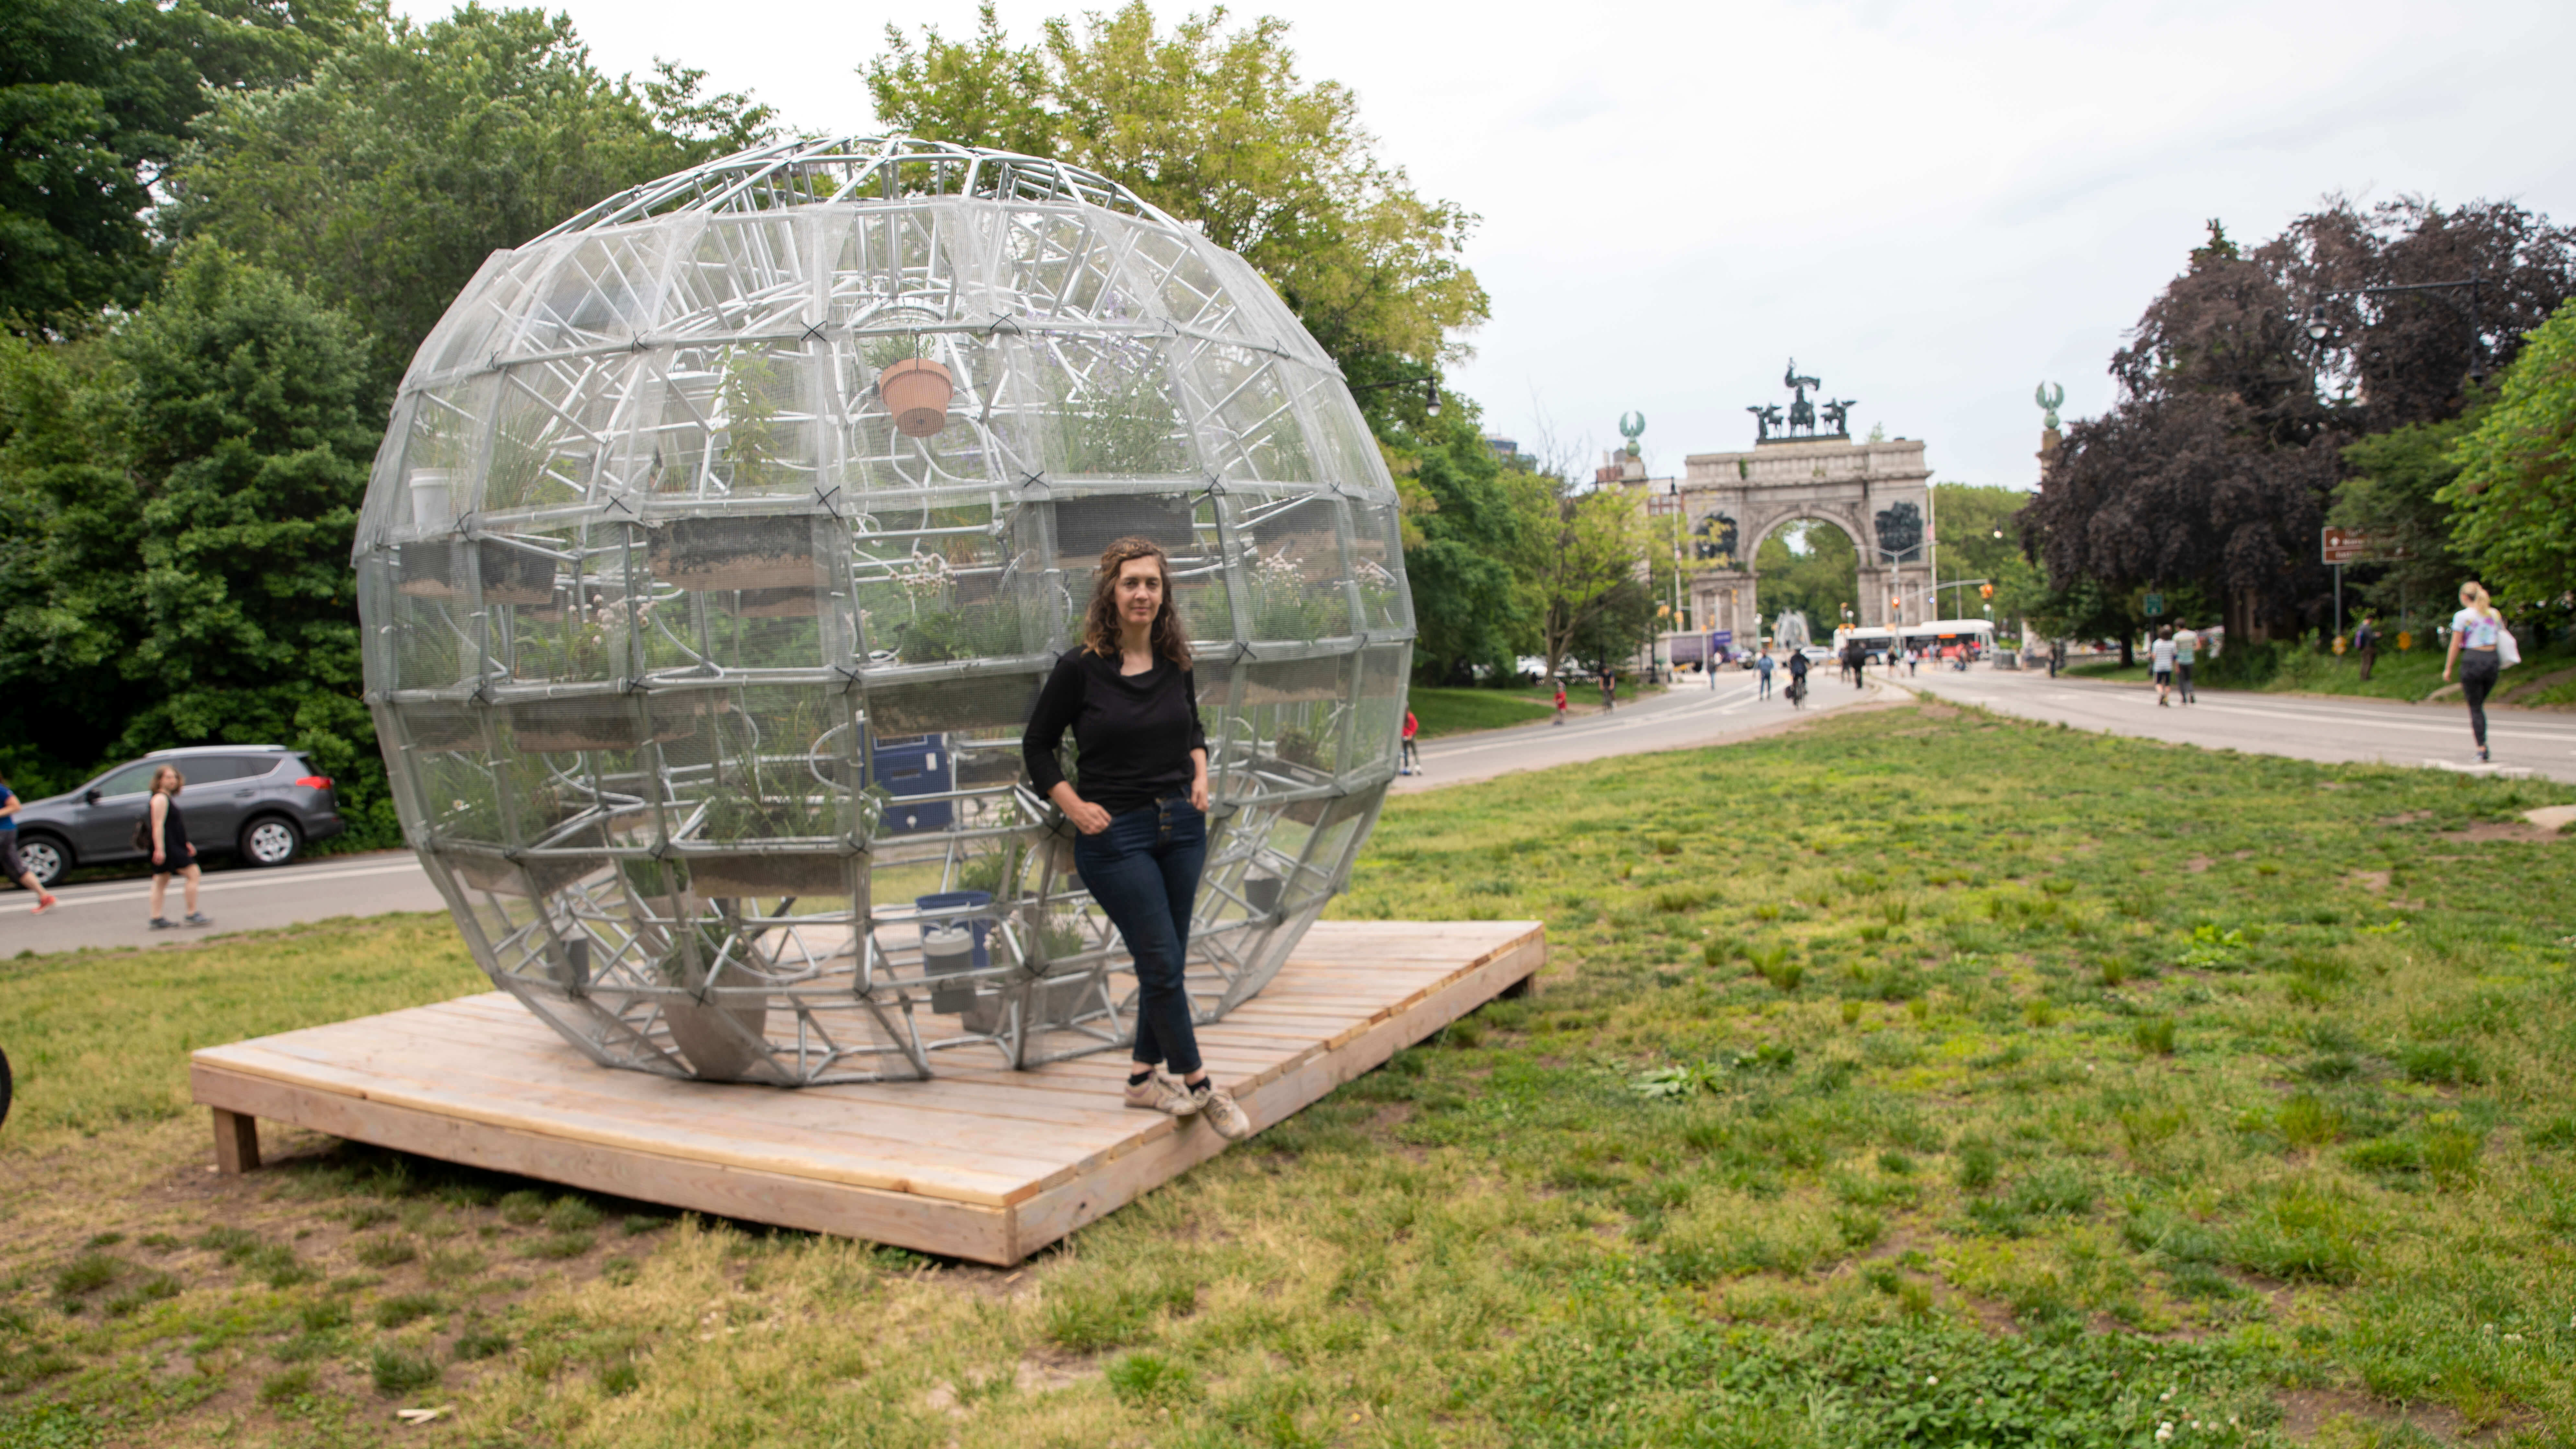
[286, 1387]
[2242, 664]
[1149, 1379]
[386, 1252]
[396, 1373]
[405, 1308]
[2154, 1035]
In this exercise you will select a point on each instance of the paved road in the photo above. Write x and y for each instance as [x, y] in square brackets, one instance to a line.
[2301, 726]
[114, 913]
[117, 912]
[1689, 714]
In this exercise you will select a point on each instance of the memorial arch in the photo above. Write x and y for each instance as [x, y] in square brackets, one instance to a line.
[1877, 491]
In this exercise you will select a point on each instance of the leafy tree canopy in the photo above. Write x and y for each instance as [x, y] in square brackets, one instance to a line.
[1213, 125]
[415, 151]
[1809, 566]
[96, 97]
[180, 496]
[2516, 489]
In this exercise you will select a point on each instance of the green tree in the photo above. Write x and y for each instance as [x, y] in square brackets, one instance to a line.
[187, 487]
[2396, 498]
[416, 151]
[1214, 126]
[2516, 493]
[1812, 567]
[1467, 519]
[71, 593]
[96, 97]
[1586, 550]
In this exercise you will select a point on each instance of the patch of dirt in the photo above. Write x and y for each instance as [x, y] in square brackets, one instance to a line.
[1939, 711]
[2373, 881]
[2306, 1411]
[2522, 830]
[2411, 817]
[2198, 864]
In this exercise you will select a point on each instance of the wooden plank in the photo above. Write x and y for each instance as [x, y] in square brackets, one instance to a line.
[979, 1161]
[907, 1219]
[1060, 1210]
[236, 1143]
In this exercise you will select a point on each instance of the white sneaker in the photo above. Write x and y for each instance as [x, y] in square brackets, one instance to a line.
[1162, 1092]
[1216, 1106]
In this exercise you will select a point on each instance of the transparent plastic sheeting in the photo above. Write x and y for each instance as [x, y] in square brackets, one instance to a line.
[701, 685]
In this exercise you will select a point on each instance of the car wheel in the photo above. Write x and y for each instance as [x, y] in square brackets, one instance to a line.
[271, 840]
[45, 858]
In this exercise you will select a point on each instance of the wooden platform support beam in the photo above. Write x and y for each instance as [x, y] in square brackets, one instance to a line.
[980, 1162]
[236, 1143]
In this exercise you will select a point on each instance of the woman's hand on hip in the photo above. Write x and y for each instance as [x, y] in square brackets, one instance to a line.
[1088, 818]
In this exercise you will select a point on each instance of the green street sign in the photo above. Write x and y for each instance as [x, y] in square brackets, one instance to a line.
[2155, 605]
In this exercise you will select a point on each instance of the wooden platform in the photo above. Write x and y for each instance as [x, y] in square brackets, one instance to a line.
[980, 1162]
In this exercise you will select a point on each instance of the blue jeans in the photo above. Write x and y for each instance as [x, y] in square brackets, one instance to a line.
[1144, 871]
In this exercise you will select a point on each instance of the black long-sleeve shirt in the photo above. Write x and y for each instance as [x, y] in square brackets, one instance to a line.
[1135, 731]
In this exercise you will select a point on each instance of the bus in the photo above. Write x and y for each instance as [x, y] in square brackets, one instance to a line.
[1873, 642]
[1950, 639]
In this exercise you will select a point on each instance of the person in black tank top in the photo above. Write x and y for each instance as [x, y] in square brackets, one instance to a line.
[1129, 697]
[171, 853]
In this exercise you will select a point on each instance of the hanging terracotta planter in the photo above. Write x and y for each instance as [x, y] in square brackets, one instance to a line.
[917, 391]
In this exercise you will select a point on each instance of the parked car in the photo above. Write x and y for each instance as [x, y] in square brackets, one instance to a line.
[262, 802]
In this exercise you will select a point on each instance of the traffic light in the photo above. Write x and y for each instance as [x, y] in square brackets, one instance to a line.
[1985, 591]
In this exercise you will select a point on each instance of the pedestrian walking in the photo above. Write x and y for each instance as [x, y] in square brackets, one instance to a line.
[1412, 764]
[1140, 813]
[1913, 660]
[11, 865]
[2160, 663]
[1762, 667]
[2056, 656]
[166, 827]
[2478, 632]
[2186, 649]
[1560, 700]
[2365, 642]
[1609, 690]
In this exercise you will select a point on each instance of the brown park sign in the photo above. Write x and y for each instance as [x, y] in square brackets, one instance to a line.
[2351, 545]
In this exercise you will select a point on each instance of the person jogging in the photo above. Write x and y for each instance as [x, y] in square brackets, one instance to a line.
[1762, 666]
[2478, 631]
[166, 825]
[1130, 698]
[11, 865]
[2160, 663]
[1412, 761]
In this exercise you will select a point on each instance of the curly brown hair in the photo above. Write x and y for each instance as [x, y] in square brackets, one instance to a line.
[1100, 621]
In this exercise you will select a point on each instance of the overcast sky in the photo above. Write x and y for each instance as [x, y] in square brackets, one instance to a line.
[1932, 206]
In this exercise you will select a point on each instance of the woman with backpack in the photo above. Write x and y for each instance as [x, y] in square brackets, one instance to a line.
[165, 834]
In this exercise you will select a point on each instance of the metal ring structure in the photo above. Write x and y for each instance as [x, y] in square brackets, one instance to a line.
[701, 683]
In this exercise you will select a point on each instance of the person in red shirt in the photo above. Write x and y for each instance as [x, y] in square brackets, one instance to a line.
[1412, 764]
[1560, 701]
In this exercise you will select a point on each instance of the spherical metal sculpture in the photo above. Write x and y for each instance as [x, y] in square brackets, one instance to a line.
[720, 543]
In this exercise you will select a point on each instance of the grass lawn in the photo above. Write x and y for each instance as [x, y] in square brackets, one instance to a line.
[1459, 711]
[1870, 1097]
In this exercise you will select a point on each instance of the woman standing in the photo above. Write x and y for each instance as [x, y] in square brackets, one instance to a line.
[1132, 703]
[2476, 630]
[171, 852]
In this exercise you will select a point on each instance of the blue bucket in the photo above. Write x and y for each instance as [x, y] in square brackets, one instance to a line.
[958, 903]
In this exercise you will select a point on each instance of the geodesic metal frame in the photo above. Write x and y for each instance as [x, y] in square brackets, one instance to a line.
[701, 683]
